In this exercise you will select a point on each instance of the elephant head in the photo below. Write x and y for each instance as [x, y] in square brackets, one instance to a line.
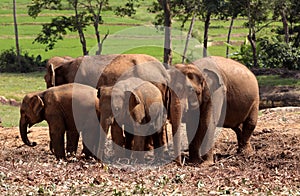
[189, 84]
[53, 66]
[31, 113]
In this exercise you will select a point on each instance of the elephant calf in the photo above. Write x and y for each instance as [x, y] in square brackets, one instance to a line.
[139, 106]
[67, 108]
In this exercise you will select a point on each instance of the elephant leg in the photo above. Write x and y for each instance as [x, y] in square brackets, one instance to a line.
[243, 136]
[57, 131]
[149, 143]
[193, 135]
[118, 140]
[72, 141]
[200, 148]
[87, 153]
[138, 148]
[128, 143]
[158, 143]
[51, 147]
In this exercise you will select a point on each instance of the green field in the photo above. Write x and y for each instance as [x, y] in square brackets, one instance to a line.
[29, 29]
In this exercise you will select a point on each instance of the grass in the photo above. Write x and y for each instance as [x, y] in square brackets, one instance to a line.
[29, 29]
[276, 80]
[16, 86]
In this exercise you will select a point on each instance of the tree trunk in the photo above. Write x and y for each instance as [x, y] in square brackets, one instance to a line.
[205, 40]
[97, 33]
[16, 32]
[80, 30]
[168, 41]
[285, 26]
[188, 38]
[252, 40]
[228, 36]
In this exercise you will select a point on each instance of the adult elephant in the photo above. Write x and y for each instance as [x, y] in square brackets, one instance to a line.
[67, 108]
[138, 105]
[219, 92]
[87, 69]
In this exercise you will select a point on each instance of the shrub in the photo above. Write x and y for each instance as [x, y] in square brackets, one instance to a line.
[275, 53]
[271, 53]
[9, 62]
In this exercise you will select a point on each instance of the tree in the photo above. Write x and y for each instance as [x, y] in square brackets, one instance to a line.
[257, 12]
[59, 26]
[16, 32]
[164, 10]
[231, 9]
[165, 4]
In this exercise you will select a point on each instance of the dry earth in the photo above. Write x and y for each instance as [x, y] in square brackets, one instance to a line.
[274, 168]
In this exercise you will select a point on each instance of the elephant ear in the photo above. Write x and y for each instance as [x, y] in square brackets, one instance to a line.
[139, 114]
[36, 104]
[213, 80]
[134, 100]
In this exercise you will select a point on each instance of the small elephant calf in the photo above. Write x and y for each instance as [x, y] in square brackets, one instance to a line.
[138, 105]
[67, 108]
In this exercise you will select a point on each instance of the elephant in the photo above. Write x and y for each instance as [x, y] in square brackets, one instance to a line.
[214, 92]
[100, 70]
[93, 71]
[67, 108]
[138, 105]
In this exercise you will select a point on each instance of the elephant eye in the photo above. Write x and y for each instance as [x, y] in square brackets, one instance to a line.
[191, 89]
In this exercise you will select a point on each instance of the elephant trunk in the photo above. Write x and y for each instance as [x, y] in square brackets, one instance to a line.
[23, 131]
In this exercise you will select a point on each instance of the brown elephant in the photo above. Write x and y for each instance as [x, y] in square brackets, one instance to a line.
[138, 105]
[87, 69]
[67, 108]
[96, 71]
[219, 92]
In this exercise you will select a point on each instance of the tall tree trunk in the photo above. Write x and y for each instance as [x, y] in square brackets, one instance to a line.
[285, 26]
[80, 30]
[168, 33]
[228, 36]
[16, 32]
[206, 27]
[252, 40]
[97, 33]
[188, 37]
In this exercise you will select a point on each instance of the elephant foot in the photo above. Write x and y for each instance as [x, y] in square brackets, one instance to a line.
[245, 150]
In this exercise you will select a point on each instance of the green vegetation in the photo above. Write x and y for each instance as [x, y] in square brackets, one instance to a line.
[29, 29]
[276, 80]
[16, 86]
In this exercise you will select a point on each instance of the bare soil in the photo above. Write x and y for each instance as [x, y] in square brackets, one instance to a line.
[274, 168]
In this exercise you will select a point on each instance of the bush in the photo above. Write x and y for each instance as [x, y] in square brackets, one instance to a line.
[275, 53]
[9, 62]
[271, 53]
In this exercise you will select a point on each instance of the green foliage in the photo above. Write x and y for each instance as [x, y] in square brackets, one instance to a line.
[244, 55]
[272, 53]
[10, 62]
[275, 53]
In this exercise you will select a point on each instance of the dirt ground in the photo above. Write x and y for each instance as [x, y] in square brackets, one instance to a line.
[274, 168]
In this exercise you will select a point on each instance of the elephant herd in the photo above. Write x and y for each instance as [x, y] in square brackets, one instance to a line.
[133, 96]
